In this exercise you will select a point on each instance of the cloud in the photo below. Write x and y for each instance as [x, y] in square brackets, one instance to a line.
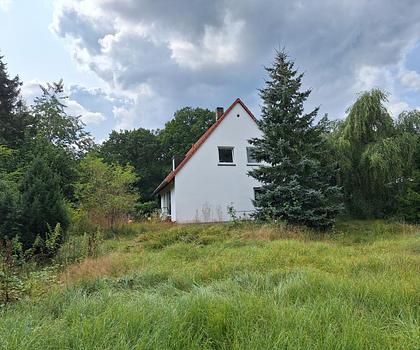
[161, 55]
[397, 107]
[410, 79]
[88, 117]
[31, 89]
[5, 5]
[219, 46]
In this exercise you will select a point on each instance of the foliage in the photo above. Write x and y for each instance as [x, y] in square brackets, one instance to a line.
[408, 203]
[184, 130]
[11, 286]
[368, 120]
[14, 118]
[409, 121]
[5, 155]
[48, 247]
[140, 149]
[298, 184]
[106, 191]
[232, 214]
[62, 162]
[377, 157]
[43, 205]
[53, 122]
[94, 239]
[145, 210]
[9, 210]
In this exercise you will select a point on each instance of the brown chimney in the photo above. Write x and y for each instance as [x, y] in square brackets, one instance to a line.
[219, 112]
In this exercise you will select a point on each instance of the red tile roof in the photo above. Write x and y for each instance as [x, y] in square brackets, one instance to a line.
[200, 141]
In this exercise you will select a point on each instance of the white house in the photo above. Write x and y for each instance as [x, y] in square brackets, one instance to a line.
[213, 175]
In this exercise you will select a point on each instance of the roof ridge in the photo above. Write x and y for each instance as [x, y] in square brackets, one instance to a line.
[200, 141]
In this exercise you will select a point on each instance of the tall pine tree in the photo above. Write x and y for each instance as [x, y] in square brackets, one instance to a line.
[14, 119]
[298, 183]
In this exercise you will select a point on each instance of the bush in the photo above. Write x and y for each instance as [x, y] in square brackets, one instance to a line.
[145, 210]
[9, 209]
[11, 286]
[409, 206]
[409, 201]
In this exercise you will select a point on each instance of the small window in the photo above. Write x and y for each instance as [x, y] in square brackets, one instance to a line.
[250, 155]
[257, 193]
[225, 154]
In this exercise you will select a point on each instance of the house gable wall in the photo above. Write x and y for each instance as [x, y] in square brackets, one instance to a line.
[204, 189]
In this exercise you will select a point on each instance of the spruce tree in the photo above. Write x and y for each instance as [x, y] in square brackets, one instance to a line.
[14, 118]
[43, 206]
[298, 184]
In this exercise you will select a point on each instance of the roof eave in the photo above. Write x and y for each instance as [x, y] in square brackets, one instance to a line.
[161, 186]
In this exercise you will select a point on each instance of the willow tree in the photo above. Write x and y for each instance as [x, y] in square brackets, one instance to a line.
[377, 156]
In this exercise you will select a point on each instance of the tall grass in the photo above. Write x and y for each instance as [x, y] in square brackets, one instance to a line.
[233, 287]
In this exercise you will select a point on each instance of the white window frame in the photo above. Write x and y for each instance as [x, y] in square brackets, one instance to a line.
[232, 149]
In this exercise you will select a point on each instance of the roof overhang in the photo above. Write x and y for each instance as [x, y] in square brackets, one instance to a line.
[161, 186]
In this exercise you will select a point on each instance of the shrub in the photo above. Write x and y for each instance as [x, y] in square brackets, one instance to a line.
[11, 286]
[9, 209]
[409, 202]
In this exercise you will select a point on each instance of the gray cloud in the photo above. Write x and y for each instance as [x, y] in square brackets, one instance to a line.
[166, 54]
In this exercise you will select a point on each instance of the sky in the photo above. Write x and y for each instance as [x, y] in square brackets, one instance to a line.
[132, 63]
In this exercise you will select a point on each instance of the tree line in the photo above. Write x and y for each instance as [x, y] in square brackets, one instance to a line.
[365, 166]
[53, 176]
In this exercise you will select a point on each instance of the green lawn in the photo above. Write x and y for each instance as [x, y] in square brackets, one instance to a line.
[232, 287]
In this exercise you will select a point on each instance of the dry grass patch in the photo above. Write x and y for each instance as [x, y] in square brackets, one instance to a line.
[275, 232]
[115, 264]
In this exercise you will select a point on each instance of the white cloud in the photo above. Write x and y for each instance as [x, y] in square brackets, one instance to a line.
[369, 77]
[220, 46]
[5, 5]
[88, 117]
[125, 118]
[397, 107]
[31, 89]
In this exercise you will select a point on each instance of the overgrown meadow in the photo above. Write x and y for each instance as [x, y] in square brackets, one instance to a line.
[86, 263]
[227, 286]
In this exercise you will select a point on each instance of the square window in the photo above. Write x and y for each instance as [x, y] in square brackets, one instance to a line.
[250, 155]
[225, 154]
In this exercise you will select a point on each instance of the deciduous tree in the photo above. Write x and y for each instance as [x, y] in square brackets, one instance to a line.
[140, 149]
[377, 156]
[184, 130]
[106, 191]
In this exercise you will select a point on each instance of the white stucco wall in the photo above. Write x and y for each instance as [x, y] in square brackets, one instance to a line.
[204, 189]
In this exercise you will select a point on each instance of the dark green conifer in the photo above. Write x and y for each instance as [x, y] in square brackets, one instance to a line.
[298, 184]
